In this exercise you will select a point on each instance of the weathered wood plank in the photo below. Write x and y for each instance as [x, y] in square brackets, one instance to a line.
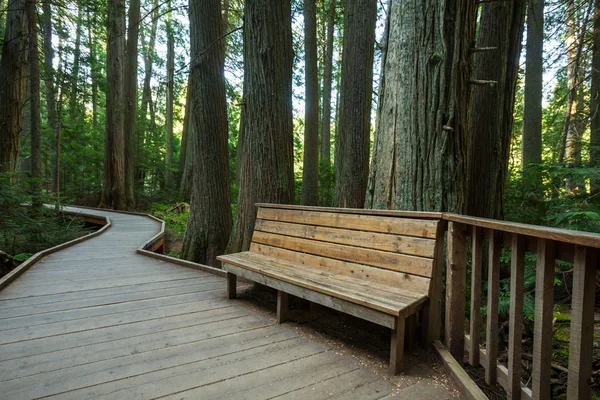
[347, 307]
[493, 298]
[466, 385]
[282, 307]
[582, 323]
[476, 270]
[412, 283]
[361, 222]
[397, 345]
[553, 234]
[376, 258]
[380, 241]
[456, 275]
[515, 326]
[542, 335]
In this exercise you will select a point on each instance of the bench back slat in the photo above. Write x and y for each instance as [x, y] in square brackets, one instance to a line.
[408, 282]
[336, 240]
[370, 223]
[409, 245]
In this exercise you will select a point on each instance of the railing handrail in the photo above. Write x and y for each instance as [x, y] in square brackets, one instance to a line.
[559, 235]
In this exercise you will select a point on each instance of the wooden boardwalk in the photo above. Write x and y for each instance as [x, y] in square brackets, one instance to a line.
[96, 320]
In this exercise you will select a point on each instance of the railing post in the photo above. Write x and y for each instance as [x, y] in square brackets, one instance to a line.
[542, 330]
[491, 331]
[515, 326]
[475, 321]
[582, 323]
[456, 274]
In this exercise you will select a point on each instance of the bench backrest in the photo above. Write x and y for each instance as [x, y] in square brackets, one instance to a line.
[386, 246]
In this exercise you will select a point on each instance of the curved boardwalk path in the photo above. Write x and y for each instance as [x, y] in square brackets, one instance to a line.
[96, 320]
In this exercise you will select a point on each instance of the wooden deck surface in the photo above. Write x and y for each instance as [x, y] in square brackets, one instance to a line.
[96, 320]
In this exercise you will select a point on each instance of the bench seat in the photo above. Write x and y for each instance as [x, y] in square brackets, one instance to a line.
[381, 266]
[385, 298]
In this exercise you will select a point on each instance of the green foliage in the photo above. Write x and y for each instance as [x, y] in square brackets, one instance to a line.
[24, 230]
[174, 220]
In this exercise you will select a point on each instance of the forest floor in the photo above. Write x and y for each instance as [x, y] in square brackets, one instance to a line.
[38, 233]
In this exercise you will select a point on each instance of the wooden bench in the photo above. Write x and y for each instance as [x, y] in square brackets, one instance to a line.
[381, 266]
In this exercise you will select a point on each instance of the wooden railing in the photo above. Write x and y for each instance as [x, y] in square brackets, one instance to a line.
[550, 245]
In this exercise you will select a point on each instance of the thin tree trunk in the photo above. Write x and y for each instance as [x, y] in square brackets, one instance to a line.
[595, 107]
[310, 171]
[169, 179]
[130, 90]
[186, 153]
[113, 191]
[266, 165]
[422, 139]
[74, 113]
[327, 82]
[34, 77]
[209, 222]
[146, 98]
[532, 103]
[356, 94]
[46, 24]
[571, 150]
[13, 84]
[501, 27]
[93, 72]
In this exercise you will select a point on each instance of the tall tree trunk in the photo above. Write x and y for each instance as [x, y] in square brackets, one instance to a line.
[93, 71]
[13, 84]
[46, 24]
[310, 171]
[74, 113]
[327, 82]
[422, 139]
[146, 97]
[34, 77]
[595, 107]
[266, 172]
[130, 90]
[209, 222]
[186, 154]
[356, 95]
[113, 190]
[532, 103]
[500, 27]
[169, 179]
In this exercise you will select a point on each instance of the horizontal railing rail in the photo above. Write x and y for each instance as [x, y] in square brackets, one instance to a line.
[467, 236]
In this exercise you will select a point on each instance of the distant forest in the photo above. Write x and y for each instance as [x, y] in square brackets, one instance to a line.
[485, 108]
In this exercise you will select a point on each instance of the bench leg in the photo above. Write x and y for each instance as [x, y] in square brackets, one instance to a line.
[282, 306]
[411, 332]
[231, 285]
[397, 347]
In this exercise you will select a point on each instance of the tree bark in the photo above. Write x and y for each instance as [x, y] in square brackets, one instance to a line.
[532, 103]
[209, 221]
[13, 84]
[34, 77]
[422, 139]
[327, 82]
[501, 26]
[266, 161]
[169, 178]
[186, 153]
[595, 107]
[130, 91]
[310, 171]
[113, 190]
[356, 94]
